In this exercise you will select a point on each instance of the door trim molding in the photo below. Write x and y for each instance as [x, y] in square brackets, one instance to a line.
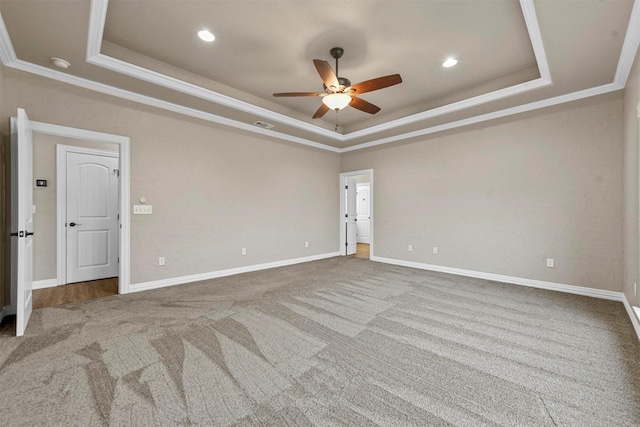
[343, 234]
[124, 272]
[61, 201]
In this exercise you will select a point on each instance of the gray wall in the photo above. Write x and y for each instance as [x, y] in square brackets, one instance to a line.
[499, 197]
[631, 178]
[503, 197]
[214, 190]
[44, 220]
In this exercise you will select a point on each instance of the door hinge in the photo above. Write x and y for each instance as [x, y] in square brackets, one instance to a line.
[346, 187]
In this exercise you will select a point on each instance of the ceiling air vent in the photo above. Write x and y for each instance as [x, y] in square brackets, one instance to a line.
[263, 125]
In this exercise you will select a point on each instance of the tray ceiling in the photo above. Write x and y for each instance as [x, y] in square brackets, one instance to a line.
[513, 56]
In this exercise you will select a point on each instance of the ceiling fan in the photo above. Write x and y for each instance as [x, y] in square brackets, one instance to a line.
[339, 92]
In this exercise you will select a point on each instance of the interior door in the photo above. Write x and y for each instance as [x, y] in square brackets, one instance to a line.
[92, 216]
[363, 213]
[22, 218]
[351, 216]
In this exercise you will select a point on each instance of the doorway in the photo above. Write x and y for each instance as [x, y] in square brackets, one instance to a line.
[23, 185]
[87, 213]
[356, 213]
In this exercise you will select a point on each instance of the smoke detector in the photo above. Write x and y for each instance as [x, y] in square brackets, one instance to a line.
[61, 63]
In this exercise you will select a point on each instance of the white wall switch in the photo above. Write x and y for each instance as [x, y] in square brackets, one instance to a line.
[306, 244]
[142, 209]
[244, 251]
[550, 263]
[435, 249]
[161, 260]
[410, 248]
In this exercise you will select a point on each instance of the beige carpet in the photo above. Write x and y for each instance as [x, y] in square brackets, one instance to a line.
[342, 341]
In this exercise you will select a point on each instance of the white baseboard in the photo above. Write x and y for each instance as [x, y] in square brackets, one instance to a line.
[48, 283]
[155, 284]
[634, 313]
[571, 289]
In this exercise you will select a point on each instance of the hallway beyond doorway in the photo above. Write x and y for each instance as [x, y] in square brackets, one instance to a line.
[362, 251]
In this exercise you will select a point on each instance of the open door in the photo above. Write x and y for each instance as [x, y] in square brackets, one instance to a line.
[352, 230]
[22, 218]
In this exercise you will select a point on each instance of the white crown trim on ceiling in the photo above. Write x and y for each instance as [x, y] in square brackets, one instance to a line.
[94, 44]
[96, 29]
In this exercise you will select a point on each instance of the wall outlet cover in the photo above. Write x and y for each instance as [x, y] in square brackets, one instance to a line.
[142, 209]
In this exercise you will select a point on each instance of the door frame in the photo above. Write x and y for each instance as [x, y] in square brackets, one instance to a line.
[343, 233]
[61, 201]
[124, 269]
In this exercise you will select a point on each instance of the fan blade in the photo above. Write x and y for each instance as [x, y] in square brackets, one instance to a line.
[363, 105]
[326, 73]
[375, 84]
[321, 111]
[299, 94]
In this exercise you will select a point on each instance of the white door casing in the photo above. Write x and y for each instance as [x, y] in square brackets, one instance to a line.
[343, 210]
[351, 215]
[363, 212]
[91, 220]
[22, 219]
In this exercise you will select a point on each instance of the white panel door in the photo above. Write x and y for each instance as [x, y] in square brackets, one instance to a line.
[22, 219]
[351, 216]
[92, 217]
[363, 213]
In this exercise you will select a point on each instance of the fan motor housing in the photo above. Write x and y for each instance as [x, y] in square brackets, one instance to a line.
[344, 83]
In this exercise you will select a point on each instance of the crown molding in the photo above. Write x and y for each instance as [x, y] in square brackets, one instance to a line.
[7, 54]
[98, 14]
[629, 47]
[153, 102]
[94, 45]
[531, 20]
[491, 116]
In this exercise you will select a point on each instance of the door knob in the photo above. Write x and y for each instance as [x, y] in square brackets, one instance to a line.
[73, 224]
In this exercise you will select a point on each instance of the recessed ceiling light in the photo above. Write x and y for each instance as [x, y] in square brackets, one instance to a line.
[450, 62]
[206, 35]
[60, 63]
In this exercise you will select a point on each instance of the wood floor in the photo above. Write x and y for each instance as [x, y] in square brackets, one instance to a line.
[84, 291]
[74, 292]
[362, 251]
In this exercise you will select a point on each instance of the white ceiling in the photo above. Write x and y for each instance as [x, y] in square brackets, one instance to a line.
[513, 56]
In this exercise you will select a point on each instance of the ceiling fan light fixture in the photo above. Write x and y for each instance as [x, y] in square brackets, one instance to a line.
[336, 101]
[449, 62]
[206, 35]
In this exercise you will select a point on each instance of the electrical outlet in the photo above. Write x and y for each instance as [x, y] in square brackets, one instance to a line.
[161, 260]
[244, 251]
[306, 244]
[410, 248]
[550, 263]
[435, 249]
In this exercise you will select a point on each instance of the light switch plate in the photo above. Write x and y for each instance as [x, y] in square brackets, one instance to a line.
[142, 209]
